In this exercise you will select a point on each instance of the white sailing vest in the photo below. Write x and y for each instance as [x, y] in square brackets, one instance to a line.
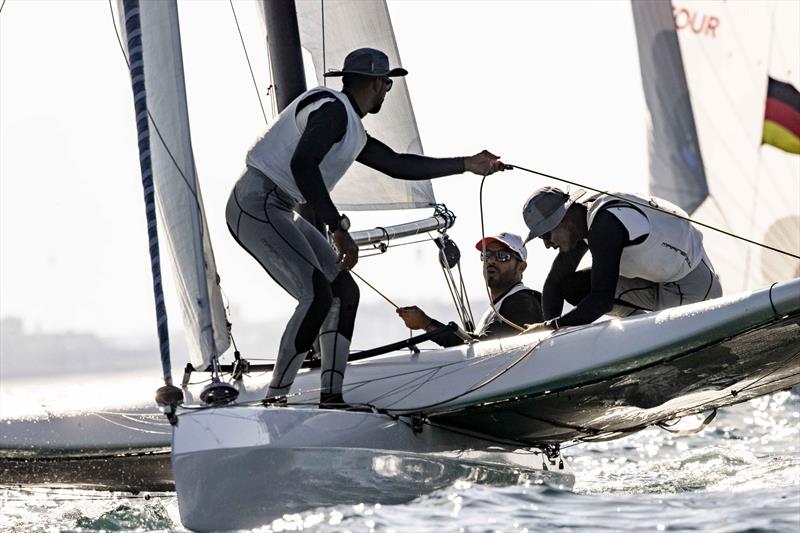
[273, 152]
[672, 249]
[490, 316]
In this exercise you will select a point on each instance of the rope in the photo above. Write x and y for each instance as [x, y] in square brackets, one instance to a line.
[249, 65]
[465, 296]
[132, 26]
[685, 432]
[353, 272]
[450, 282]
[486, 265]
[648, 206]
[479, 386]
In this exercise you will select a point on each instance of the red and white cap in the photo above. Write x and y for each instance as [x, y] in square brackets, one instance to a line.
[511, 241]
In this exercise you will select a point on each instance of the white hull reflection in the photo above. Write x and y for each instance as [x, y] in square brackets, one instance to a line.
[258, 464]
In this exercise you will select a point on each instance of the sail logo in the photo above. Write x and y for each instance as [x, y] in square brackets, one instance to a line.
[699, 24]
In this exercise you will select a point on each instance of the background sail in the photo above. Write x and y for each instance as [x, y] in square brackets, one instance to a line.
[178, 195]
[728, 50]
[328, 31]
[676, 165]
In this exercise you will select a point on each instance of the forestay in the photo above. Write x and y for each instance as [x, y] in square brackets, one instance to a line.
[177, 189]
[328, 31]
[705, 67]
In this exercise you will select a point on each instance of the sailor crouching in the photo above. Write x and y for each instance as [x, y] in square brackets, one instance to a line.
[643, 257]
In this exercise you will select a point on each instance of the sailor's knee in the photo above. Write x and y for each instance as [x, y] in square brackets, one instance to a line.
[346, 289]
[322, 297]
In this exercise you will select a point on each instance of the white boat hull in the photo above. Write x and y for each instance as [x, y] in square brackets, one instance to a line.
[599, 381]
[257, 464]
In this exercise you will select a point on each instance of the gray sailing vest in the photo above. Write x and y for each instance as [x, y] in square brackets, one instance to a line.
[490, 316]
[672, 249]
[273, 152]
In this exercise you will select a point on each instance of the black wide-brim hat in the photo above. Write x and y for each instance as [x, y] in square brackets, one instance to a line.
[367, 62]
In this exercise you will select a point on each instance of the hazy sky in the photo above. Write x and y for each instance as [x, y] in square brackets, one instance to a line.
[551, 86]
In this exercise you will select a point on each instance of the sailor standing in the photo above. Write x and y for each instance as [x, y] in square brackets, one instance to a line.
[298, 161]
[642, 259]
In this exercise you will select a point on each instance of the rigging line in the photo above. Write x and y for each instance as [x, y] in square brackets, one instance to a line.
[192, 192]
[466, 296]
[460, 290]
[486, 265]
[783, 364]
[249, 65]
[648, 206]
[689, 410]
[427, 376]
[458, 294]
[407, 243]
[452, 287]
[480, 385]
[408, 388]
[365, 256]
[353, 272]
[458, 365]
[391, 246]
[700, 408]
[452, 294]
[1, 6]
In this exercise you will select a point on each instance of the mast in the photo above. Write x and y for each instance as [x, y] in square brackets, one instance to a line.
[283, 39]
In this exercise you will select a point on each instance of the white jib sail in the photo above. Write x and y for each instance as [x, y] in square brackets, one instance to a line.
[338, 27]
[180, 205]
[727, 51]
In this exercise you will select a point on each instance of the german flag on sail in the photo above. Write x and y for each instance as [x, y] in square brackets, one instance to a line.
[782, 117]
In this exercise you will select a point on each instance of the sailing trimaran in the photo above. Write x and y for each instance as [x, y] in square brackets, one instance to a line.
[493, 411]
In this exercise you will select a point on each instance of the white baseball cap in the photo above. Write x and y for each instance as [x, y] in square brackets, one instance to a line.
[511, 241]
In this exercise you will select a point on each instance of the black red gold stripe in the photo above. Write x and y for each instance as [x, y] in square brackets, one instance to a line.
[782, 116]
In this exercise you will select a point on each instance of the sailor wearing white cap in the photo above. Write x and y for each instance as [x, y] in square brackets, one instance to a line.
[505, 259]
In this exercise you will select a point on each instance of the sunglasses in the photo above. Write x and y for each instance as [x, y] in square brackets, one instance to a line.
[501, 256]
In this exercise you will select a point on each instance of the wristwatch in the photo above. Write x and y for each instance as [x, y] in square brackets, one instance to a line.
[342, 224]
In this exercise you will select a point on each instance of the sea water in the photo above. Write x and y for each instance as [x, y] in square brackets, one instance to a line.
[741, 473]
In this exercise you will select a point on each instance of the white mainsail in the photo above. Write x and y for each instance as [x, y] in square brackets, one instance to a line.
[328, 31]
[705, 67]
[180, 204]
